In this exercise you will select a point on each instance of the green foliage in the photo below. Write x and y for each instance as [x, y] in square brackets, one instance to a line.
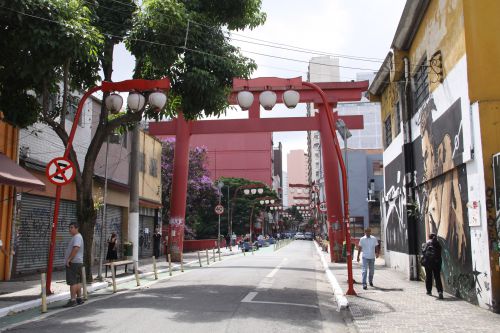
[202, 71]
[37, 39]
[241, 204]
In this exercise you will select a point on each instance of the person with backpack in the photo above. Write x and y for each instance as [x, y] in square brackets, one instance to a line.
[431, 260]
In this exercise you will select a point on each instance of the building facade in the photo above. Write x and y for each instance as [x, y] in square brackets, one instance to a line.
[440, 98]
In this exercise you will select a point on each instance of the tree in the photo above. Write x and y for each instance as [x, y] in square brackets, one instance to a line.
[187, 44]
[241, 204]
[65, 42]
[202, 195]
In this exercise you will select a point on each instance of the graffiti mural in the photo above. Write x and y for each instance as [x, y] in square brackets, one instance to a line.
[396, 232]
[441, 179]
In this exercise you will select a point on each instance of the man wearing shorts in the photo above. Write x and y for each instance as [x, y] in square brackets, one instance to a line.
[73, 259]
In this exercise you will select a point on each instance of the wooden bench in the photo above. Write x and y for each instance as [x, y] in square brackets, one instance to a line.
[117, 263]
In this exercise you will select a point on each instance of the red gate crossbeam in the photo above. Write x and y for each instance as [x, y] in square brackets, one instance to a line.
[251, 125]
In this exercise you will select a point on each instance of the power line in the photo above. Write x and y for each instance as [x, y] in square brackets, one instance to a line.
[198, 51]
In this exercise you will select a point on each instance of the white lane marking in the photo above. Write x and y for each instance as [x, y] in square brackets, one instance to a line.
[248, 298]
[277, 268]
[337, 290]
[251, 295]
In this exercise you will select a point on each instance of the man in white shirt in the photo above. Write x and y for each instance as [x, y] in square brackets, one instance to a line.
[368, 244]
[73, 258]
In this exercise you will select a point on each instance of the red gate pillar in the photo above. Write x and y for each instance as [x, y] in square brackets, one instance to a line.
[179, 188]
[332, 187]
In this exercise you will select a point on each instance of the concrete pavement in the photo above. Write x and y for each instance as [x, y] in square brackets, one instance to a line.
[396, 304]
[23, 293]
[271, 291]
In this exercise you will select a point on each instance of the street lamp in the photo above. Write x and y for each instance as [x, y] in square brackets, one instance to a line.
[112, 104]
[330, 122]
[247, 190]
[345, 134]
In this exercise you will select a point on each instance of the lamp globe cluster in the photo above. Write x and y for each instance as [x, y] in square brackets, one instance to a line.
[135, 101]
[267, 99]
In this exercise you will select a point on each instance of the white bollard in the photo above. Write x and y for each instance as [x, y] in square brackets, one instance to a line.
[169, 264]
[182, 262]
[199, 258]
[136, 271]
[154, 268]
[113, 276]
[84, 283]
[44, 294]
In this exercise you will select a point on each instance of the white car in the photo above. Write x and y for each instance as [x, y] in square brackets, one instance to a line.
[299, 235]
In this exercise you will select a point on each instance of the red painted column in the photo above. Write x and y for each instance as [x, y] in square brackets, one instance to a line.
[179, 188]
[332, 188]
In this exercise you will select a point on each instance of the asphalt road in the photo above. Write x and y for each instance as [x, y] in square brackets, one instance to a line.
[282, 291]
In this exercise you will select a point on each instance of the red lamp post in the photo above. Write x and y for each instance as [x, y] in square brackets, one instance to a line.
[115, 103]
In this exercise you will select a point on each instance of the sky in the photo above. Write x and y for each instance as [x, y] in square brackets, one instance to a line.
[344, 28]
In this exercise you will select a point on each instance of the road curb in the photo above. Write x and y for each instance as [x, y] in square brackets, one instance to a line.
[340, 298]
[16, 308]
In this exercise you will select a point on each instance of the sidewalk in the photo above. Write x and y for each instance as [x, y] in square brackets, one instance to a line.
[396, 304]
[24, 293]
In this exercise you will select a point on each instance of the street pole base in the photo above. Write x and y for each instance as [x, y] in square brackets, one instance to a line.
[351, 292]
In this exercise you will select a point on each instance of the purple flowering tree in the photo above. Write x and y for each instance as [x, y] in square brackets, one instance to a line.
[201, 220]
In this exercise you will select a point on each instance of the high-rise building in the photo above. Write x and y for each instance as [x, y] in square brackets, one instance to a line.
[363, 154]
[297, 177]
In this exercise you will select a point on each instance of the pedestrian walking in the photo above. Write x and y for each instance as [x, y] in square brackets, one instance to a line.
[112, 253]
[157, 243]
[368, 244]
[73, 259]
[432, 260]
[228, 240]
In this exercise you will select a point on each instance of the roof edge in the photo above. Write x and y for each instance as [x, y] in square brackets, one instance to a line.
[408, 24]
[382, 78]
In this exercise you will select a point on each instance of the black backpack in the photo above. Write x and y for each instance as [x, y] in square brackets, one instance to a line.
[430, 255]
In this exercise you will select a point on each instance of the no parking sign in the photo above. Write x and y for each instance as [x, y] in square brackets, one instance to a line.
[60, 171]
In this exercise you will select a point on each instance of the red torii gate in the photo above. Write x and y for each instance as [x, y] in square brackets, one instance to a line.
[318, 93]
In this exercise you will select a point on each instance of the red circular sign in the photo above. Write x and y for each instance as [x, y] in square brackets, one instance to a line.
[322, 206]
[60, 171]
[219, 209]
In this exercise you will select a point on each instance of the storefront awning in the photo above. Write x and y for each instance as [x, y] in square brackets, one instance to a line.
[14, 175]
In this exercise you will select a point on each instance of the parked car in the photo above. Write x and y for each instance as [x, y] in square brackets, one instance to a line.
[308, 236]
[299, 235]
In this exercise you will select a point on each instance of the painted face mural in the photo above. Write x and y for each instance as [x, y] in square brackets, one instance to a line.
[441, 178]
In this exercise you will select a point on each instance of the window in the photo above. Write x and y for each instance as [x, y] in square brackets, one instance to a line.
[378, 168]
[397, 117]
[421, 85]
[142, 162]
[153, 167]
[388, 131]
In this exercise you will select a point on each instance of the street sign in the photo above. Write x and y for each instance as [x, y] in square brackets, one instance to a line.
[316, 188]
[219, 209]
[60, 171]
[322, 206]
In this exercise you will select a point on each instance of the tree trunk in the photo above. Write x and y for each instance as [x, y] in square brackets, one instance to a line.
[86, 219]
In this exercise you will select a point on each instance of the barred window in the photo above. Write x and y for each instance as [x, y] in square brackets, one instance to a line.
[421, 85]
[397, 118]
[388, 131]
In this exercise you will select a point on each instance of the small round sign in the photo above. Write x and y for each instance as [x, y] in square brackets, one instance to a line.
[322, 206]
[315, 188]
[60, 171]
[219, 209]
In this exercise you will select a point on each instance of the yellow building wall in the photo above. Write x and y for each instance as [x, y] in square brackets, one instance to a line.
[489, 113]
[149, 185]
[9, 138]
[441, 29]
[482, 37]
[387, 104]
